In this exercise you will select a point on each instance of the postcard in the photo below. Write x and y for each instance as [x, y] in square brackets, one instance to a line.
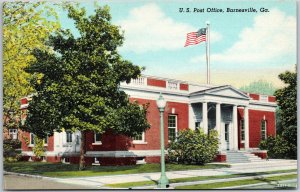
[149, 95]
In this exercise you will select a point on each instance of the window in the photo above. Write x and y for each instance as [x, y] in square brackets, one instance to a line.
[46, 140]
[263, 129]
[31, 139]
[13, 133]
[172, 127]
[77, 139]
[139, 137]
[97, 137]
[197, 126]
[242, 130]
[69, 136]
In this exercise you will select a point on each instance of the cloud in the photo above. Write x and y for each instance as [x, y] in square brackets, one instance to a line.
[147, 28]
[272, 36]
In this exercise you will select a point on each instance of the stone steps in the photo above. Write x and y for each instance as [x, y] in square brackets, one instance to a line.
[241, 157]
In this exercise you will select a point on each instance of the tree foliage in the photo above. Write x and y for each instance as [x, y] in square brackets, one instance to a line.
[78, 86]
[259, 87]
[284, 145]
[287, 99]
[194, 147]
[25, 27]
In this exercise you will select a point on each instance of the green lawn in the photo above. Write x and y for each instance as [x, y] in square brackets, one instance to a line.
[239, 182]
[71, 170]
[198, 178]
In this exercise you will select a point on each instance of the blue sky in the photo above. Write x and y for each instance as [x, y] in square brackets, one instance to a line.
[245, 47]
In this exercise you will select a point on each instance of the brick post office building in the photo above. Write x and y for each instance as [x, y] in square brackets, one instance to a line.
[241, 119]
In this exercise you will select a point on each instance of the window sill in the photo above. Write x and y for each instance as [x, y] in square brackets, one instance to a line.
[97, 143]
[31, 145]
[139, 142]
[45, 145]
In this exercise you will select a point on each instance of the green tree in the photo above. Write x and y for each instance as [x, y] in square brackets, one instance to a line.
[287, 99]
[77, 86]
[259, 87]
[25, 27]
[284, 145]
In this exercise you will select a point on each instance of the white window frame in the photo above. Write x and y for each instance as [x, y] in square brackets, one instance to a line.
[142, 141]
[96, 142]
[13, 133]
[261, 130]
[242, 124]
[264, 98]
[176, 126]
[46, 139]
[96, 161]
[69, 132]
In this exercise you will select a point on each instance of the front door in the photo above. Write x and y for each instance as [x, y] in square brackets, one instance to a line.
[227, 135]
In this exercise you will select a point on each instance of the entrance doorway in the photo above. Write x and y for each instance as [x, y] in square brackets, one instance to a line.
[226, 131]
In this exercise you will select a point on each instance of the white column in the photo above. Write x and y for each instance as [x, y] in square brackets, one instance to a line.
[191, 117]
[218, 123]
[246, 124]
[204, 117]
[235, 128]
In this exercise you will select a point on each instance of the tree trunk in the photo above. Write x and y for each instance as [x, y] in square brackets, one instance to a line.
[82, 151]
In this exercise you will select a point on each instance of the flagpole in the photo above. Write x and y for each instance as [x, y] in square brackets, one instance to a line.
[207, 52]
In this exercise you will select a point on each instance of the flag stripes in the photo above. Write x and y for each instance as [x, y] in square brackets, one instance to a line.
[194, 38]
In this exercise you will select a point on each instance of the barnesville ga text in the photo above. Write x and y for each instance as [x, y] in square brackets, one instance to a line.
[218, 10]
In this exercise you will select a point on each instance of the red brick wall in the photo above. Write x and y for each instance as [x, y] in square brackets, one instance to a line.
[50, 146]
[53, 159]
[184, 87]
[254, 96]
[255, 118]
[153, 134]
[262, 155]
[112, 142]
[152, 159]
[220, 158]
[24, 101]
[272, 99]
[106, 161]
[156, 82]
[24, 146]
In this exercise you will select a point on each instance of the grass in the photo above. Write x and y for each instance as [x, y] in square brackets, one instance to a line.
[198, 178]
[71, 170]
[239, 182]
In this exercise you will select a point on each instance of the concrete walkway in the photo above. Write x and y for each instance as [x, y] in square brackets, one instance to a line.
[98, 182]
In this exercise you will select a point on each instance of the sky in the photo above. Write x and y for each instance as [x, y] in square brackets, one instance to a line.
[244, 47]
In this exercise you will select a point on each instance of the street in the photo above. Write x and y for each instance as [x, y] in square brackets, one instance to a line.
[13, 182]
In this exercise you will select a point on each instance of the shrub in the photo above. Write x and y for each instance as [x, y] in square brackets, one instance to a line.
[11, 150]
[277, 147]
[282, 146]
[193, 147]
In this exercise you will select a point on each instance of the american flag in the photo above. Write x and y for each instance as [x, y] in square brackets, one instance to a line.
[194, 38]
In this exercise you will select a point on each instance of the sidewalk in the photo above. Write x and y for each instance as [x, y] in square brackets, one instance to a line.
[100, 181]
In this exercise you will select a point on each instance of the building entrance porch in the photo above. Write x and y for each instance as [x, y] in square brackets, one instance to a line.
[224, 119]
